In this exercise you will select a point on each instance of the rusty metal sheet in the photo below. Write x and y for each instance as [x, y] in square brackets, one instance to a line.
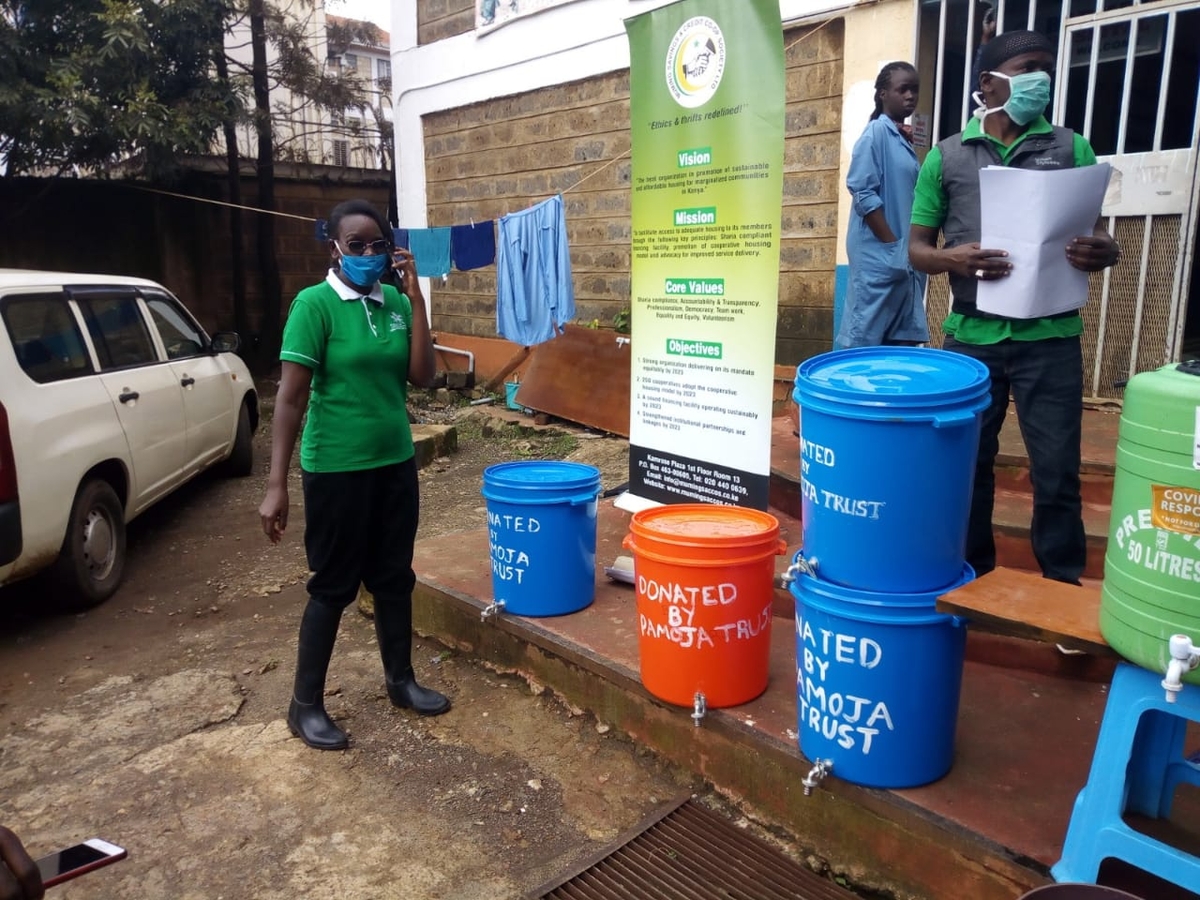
[581, 376]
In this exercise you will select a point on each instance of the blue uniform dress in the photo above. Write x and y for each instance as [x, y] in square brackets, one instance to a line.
[885, 300]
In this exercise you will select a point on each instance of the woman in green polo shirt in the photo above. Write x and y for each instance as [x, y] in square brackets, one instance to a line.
[350, 347]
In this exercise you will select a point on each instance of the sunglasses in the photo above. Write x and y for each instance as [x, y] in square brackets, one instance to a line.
[358, 248]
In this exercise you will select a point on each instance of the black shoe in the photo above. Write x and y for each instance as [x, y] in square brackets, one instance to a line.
[310, 723]
[407, 694]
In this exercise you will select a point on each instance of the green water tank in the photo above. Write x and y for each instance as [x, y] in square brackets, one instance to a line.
[1152, 566]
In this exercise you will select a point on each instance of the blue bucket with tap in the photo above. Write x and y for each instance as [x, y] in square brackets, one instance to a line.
[542, 535]
[888, 441]
[877, 681]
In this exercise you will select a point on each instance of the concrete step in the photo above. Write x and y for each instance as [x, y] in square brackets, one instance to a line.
[1011, 517]
[1095, 482]
[432, 441]
[989, 830]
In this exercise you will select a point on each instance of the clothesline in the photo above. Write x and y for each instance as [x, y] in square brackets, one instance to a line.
[272, 212]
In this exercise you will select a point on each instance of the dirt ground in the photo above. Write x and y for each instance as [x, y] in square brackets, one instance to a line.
[156, 721]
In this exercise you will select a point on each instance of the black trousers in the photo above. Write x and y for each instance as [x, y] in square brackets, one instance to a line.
[1045, 379]
[359, 528]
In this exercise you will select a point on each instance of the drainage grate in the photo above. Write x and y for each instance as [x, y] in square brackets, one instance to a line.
[687, 852]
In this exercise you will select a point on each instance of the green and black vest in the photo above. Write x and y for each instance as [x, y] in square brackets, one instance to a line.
[961, 162]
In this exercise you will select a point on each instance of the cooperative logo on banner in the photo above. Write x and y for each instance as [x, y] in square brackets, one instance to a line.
[695, 62]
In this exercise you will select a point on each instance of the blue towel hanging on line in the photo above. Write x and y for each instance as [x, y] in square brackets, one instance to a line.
[473, 246]
[431, 247]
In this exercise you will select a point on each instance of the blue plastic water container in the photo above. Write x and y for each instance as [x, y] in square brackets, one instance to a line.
[888, 441]
[542, 535]
[877, 684]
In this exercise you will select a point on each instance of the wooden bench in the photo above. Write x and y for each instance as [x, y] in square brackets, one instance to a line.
[1025, 605]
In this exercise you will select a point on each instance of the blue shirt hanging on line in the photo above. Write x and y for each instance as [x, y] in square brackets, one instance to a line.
[534, 293]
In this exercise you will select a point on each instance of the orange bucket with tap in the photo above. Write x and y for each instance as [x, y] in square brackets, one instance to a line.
[704, 577]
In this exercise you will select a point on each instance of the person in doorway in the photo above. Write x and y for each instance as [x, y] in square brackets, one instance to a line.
[987, 31]
[19, 876]
[885, 300]
[1038, 360]
[350, 347]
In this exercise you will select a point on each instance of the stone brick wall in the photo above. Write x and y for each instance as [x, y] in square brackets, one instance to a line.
[438, 19]
[808, 251]
[503, 155]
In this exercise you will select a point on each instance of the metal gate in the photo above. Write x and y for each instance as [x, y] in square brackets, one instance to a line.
[1128, 80]
[1117, 87]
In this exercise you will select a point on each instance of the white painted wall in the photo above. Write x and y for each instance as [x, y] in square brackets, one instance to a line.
[875, 35]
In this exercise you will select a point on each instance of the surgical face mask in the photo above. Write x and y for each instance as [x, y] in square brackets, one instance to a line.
[364, 270]
[1028, 96]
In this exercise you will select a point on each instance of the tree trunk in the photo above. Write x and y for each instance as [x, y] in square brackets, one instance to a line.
[237, 235]
[272, 291]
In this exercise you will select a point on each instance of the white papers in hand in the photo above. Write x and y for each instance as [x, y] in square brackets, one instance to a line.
[1034, 215]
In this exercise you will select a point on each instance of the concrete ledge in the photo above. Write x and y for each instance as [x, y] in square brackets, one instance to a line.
[432, 441]
[879, 840]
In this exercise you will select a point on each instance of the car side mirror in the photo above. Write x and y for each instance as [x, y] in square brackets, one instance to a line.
[225, 342]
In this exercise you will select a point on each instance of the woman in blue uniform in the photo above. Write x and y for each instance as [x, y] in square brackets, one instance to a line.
[885, 300]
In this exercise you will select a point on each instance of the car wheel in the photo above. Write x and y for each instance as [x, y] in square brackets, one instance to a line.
[92, 558]
[241, 458]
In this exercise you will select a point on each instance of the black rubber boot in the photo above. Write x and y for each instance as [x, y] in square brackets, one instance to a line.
[393, 628]
[307, 718]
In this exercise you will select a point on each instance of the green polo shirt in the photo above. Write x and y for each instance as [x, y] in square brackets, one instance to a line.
[929, 209]
[357, 348]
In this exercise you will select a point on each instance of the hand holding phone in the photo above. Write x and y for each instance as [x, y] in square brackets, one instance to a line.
[74, 861]
[19, 877]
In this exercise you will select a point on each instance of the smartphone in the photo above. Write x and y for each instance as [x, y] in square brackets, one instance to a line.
[73, 861]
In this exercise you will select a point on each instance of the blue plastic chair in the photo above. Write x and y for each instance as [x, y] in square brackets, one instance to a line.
[1138, 764]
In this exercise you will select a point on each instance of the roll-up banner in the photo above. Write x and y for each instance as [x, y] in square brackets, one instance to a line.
[707, 124]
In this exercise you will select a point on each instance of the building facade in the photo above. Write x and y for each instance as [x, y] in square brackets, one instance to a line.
[510, 115]
[304, 131]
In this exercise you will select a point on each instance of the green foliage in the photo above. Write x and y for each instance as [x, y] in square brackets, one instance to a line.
[622, 320]
[85, 84]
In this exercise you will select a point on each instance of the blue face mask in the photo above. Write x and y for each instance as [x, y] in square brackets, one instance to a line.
[1028, 96]
[364, 270]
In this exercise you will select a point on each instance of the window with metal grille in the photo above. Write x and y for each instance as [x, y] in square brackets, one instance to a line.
[1127, 60]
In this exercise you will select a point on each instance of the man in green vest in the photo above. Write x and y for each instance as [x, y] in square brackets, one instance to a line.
[1038, 361]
